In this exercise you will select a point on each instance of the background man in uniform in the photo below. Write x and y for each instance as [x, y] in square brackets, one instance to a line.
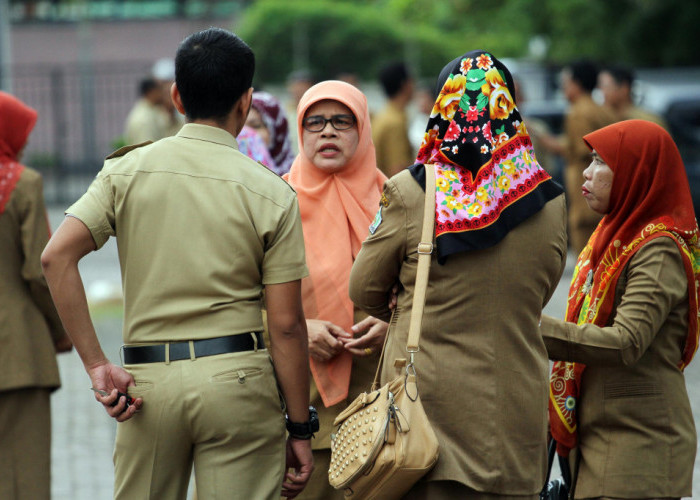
[146, 121]
[615, 82]
[30, 329]
[390, 125]
[578, 79]
[202, 230]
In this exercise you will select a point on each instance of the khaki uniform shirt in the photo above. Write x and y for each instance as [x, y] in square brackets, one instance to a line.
[201, 228]
[145, 122]
[482, 366]
[636, 430]
[390, 138]
[29, 323]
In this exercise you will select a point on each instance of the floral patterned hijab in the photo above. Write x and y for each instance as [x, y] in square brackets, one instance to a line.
[487, 177]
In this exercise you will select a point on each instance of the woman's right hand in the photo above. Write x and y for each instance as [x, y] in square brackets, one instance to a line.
[323, 339]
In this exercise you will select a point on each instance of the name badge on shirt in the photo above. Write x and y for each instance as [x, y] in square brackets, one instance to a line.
[375, 223]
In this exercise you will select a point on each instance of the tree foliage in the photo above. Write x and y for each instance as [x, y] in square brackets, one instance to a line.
[334, 36]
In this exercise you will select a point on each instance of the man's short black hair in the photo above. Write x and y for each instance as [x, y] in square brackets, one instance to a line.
[146, 85]
[585, 73]
[213, 69]
[392, 77]
[621, 75]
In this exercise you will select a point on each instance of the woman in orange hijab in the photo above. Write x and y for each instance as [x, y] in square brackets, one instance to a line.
[339, 189]
[631, 323]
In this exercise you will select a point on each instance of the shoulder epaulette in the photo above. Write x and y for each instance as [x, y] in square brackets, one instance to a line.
[122, 151]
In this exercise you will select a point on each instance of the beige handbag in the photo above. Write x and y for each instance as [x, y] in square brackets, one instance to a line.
[384, 442]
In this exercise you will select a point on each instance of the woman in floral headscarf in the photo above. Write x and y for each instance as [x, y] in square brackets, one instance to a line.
[631, 323]
[500, 248]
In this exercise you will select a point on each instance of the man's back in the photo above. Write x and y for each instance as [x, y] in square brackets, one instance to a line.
[194, 219]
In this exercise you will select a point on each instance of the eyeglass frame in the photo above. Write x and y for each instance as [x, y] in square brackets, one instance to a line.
[326, 120]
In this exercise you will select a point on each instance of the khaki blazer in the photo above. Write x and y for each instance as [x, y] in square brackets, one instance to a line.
[482, 366]
[29, 323]
[584, 117]
[636, 430]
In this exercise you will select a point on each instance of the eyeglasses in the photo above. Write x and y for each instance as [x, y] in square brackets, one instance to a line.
[317, 123]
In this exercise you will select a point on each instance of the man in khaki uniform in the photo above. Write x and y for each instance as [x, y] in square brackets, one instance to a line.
[578, 80]
[30, 330]
[616, 83]
[202, 230]
[146, 120]
[390, 125]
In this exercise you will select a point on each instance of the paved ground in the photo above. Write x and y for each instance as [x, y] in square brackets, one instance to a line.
[83, 435]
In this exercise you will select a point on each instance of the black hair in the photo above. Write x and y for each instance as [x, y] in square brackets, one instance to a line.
[621, 75]
[146, 85]
[392, 77]
[213, 69]
[585, 73]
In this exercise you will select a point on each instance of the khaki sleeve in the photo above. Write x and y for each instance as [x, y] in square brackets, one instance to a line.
[656, 282]
[376, 268]
[35, 235]
[561, 245]
[95, 209]
[285, 258]
[578, 125]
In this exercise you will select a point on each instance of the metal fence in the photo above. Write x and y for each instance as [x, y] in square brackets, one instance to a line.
[82, 109]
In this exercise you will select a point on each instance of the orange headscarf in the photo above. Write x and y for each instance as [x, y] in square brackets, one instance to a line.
[650, 198]
[336, 211]
[16, 123]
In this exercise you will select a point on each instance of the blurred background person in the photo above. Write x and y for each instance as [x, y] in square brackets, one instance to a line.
[423, 100]
[164, 72]
[616, 83]
[145, 121]
[578, 80]
[390, 125]
[500, 249]
[31, 332]
[268, 119]
[537, 128]
[298, 82]
[253, 145]
[631, 323]
[339, 189]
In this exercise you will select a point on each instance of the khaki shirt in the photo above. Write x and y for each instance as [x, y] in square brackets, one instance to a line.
[636, 430]
[145, 122]
[390, 138]
[201, 228]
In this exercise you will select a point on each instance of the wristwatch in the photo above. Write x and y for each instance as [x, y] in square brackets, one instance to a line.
[304, 430]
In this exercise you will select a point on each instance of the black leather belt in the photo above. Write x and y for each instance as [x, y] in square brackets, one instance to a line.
[181, 350]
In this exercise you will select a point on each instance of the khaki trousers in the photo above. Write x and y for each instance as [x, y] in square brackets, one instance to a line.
[25, 444]
[221, 413]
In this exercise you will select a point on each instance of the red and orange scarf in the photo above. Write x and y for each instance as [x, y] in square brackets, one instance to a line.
[16, 122]
[650, 198]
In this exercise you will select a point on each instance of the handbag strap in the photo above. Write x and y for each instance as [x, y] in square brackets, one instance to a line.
[425, 249]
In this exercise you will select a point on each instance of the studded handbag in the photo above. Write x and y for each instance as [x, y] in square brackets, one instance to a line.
[384, 442]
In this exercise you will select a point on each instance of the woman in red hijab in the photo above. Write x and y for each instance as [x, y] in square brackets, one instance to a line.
[618, 392]
[30, 330]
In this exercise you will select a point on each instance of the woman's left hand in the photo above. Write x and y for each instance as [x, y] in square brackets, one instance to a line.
[369, 343]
